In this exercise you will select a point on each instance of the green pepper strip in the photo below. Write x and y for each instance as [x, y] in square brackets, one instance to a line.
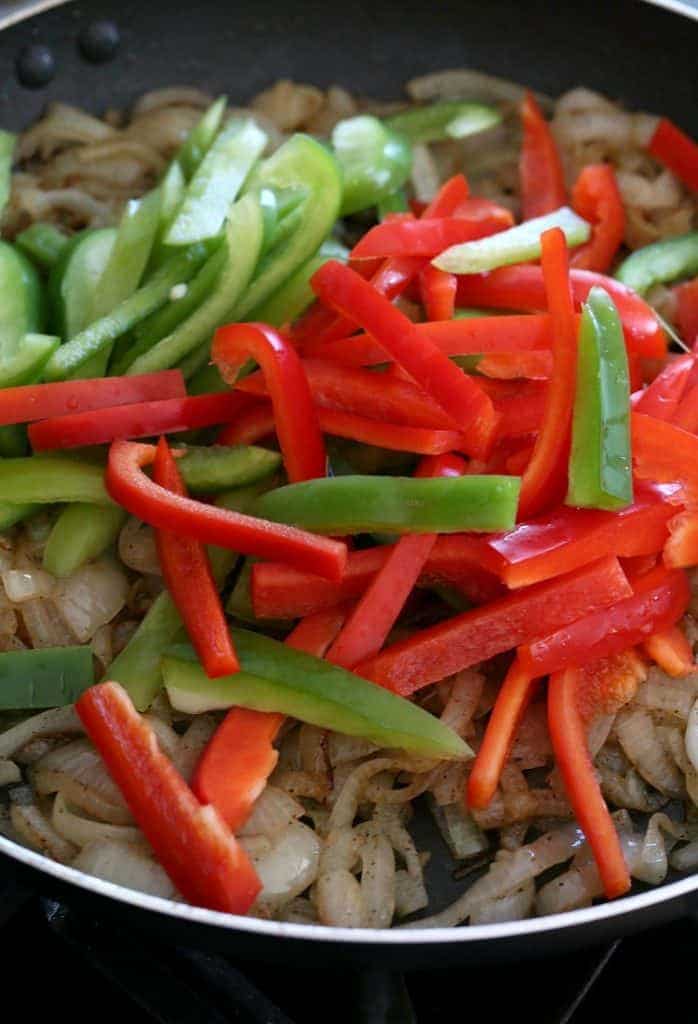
[73, 279]
[210, 470]
[600, 467]
[515, 245]
[172, 189]
[48, 677]
[102, 333]
[660, 263]
[201, 137]
[362, 504]
[216, 183]
[275, 677]
[137, 667]
[396, 202]
[7, 146]
[81, 532]
[449, 119]
[42, 243]
[296, 294]
[243, 239]
[47, 480]
[375, 161]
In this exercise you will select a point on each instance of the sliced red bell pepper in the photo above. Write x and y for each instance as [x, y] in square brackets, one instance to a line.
[540, 168]
[463, 401]
[671, 651]
[191, 842]
[509, 708]
[664, 452]
[661, 399]
[369, 624]
[568, 736]
[686, 414]
[474, 636]
[522, 287]
[188, 577]
[471, 336]
[476, 218]
[130, 487]
[544, 481]
[297, 428]
[521, 405]
[516, 366]
[596, 197]
[438, 293]
[659, 599]
[40, 401]
[687, 311]
[234, 768]
[566, 538]
[677, 151]
[321, 324]
[681, 549]
[144, 419]
[279, 591]
[258, 422]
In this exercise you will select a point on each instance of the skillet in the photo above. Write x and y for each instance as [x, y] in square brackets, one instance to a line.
[642, 53]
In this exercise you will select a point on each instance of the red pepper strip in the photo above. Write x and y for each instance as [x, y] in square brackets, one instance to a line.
[509, 708]
[188, 577]
[686, 415]
[438, 293]
[429, 237]
[321, 324]
[687, 311]
[566, 538]
[363, 392]
[234, 768]
[258, 422]
[472, 336]
[522, 288]
[130, 487]
[191, 842]
[459, 396]
[596, 197]
[677, 151]
[540, 168]
[671, 651]
[659, 600]
[368, 626]
[144, 419]
[439, 651]
[278, 591]
[661, 399]
[521, 407]
[545, 478]
[681, 549]
[516, 366]
[664, 452]
[568, 736]
[297, 428]
[39, 401]
[515, 464]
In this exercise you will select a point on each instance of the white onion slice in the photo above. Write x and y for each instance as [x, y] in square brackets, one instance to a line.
[31, 825]
[514, 907]
[26, 585]
[125, 865]
[291, 866]
[273, 811]
[80, 831]
[91, 597]
[77, 771]
[9, 773]
[54, 722]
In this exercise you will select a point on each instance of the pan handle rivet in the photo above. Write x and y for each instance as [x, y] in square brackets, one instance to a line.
[99, 41]
[35, 66]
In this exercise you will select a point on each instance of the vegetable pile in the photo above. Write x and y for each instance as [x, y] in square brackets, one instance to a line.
[367, 470]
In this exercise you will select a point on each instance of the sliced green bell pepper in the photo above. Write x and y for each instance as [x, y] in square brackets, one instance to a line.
[7, 147]
[101, 334]
[48, 480]
[363, 504]
[275, 677]
[73, 280]
[515, 245]
[296, 294]
[23, 363]
[218, 468]
[304, 165]
[216, 183]
[242, 243]
[449, 119]
[600, 466]
[660, 263]
[81, 532]
[396, 202]
[200, 138]
[48, 677]
[44, 244]
[375, 161]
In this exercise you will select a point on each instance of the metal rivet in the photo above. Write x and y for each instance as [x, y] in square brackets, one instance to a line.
[35, 66]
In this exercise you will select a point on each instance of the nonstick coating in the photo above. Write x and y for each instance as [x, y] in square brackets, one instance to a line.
[640, 54]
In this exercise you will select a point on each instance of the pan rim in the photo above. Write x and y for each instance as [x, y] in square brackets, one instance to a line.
[537, 926]
[627, 906]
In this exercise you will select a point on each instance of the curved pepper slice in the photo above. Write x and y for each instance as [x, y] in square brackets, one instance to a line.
[661, 399]
[660, 263]
[664, 452]
[438, 293]
[540, 167]
[687, 311]
[190, 841]
[294, 412]
[671, 651]
[464, 402]
[596, 197]
[677, 151]
[130, 487]
[475, 218]
[188, 577]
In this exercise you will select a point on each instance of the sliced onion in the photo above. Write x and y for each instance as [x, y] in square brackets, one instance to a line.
[125, 865]
[463, 700]
[9, 773]
[25, 585]
[574, 889]
[312, 748]
[468, 84]
[36, 749]
[652, 863]
[102, 649]
[273, 812]
[638, 737]
[303, 784]
[137, 547]
[425, 175]
[515, 907]
[462, 836]
[685, 858]
[80, 831]
[598, 732]
[691, 738]
[291, 866]
[174, 95]
[61, 125]
[78, 772]
[54, 722]
[168, 740]
[91, 597]
[410, 894]
[35, 830]
[377, 882]
[342, 749]
[532, 747]
[256, 847]
[193, 743]
[44, 624]
[448, 783]
[299, 911]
